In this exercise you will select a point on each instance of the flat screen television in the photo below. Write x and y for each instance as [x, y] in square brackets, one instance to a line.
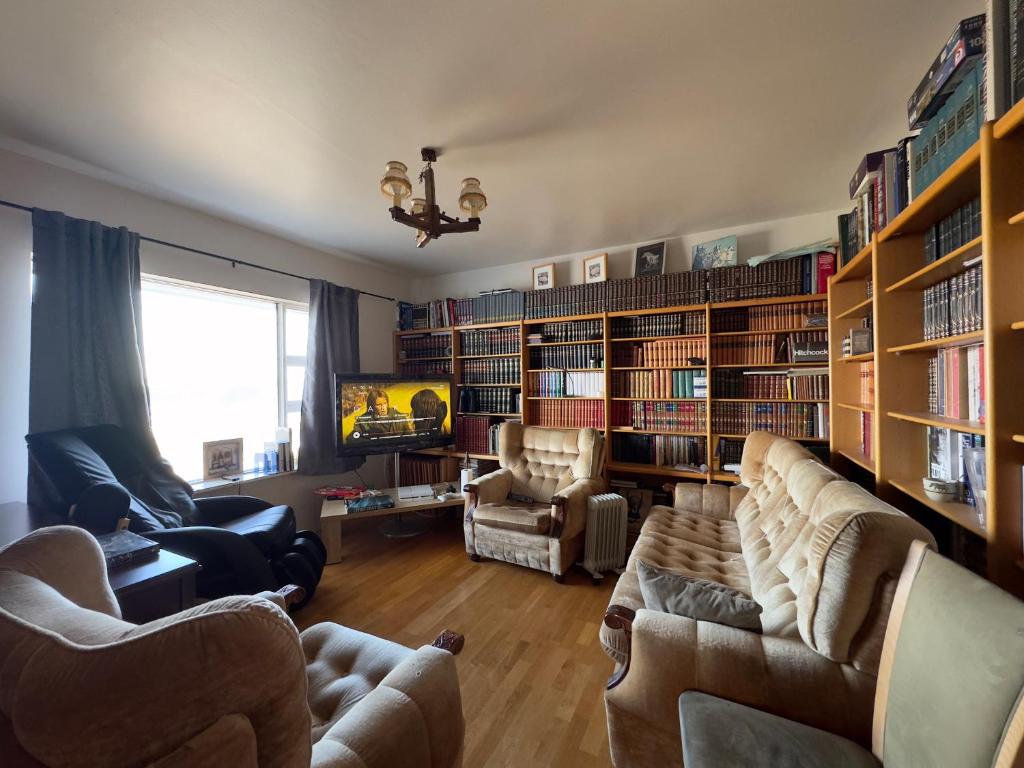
[384, 413]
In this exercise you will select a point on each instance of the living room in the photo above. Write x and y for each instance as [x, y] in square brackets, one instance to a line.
[511, 385]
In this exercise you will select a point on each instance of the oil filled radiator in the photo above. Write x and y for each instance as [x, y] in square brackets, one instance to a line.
[606, 534]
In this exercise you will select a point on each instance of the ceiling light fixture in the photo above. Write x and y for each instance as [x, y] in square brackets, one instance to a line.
[424, 215]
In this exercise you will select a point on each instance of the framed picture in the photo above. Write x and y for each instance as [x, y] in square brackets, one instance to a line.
[716, 253]
[222, 458]
[649, 260]
[595, 268]
[544, 277]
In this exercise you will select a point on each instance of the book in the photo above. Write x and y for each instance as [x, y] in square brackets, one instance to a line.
[867, 169]
[122, 548]
[957, 58]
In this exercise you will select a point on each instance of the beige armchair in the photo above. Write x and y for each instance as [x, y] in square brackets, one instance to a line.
[533, 510]
[230, 682]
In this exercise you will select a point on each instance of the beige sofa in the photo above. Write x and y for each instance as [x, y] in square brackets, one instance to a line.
[821, 556]
[533, 510]
[228, 683]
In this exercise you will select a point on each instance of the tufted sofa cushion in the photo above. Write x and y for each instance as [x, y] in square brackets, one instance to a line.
[545, 461]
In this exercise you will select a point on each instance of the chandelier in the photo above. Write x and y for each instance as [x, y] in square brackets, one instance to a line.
[425, 216]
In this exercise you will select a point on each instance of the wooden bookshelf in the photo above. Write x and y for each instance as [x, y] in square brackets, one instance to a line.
[895, 262]
[608, 343]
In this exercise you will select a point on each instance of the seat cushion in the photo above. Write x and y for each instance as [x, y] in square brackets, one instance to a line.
[718, 733]
[515, 516]
[342, 666]
[272, 530]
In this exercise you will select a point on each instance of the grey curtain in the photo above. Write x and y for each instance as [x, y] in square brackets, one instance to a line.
[333, 347]
[86, 353]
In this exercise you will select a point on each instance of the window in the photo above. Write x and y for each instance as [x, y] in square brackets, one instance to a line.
[220, 365]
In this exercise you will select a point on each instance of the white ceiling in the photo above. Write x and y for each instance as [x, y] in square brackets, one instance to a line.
[589, 124]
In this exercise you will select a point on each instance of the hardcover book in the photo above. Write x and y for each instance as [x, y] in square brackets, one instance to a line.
[122, 548]
[958, 56]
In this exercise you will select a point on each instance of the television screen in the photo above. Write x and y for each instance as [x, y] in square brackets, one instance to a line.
[384, 413]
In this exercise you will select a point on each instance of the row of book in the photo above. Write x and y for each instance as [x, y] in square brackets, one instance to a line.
[858, 341]
[660, 354]
[807, 384]
[948, 107]
[489, 341]
[643, 326]
[497, 370]
[800, 420]
[473, 434]
[566, 413]
[803, 346]
[562, 301]
[867, 436]
[804, 274]
[583, 355]
[660, 416]
[421, 470]
[679, 451]
[502, 305]
[956, 383]
[729, 452]
[428, 345]
[575, 330]
[567, 384]
[674, 289]
[439, 313]
[691, 382]
[489, 400]
[426, 368]
[947, 458]
[953, 231]
[866, 378]
[953, 306]
[774, 317]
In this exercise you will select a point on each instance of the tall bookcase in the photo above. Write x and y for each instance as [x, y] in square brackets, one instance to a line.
[604, 350]
[895, 262]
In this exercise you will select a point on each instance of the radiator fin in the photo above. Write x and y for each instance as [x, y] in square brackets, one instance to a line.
[606, 534]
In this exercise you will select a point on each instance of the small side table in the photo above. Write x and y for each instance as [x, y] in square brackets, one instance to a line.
[155, 588]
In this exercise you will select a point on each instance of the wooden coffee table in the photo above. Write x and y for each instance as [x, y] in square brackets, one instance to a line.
[335, 512]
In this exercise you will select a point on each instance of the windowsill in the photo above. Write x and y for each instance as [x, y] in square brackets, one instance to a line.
[245, 477]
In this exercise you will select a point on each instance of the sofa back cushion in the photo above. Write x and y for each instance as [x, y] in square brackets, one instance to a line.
[543, 461]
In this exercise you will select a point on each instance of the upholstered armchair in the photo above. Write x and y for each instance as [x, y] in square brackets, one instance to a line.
[230, 682]
[533, 510]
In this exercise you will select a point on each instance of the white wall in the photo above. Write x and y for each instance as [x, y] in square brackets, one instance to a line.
[34, 183]
[753, 240]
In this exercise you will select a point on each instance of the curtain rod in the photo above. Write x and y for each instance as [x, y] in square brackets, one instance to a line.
[233, 262]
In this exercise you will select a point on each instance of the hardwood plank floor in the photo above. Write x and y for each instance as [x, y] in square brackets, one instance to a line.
[532, 672]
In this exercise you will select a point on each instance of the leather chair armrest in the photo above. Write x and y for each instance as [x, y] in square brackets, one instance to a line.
[217, 510]
[569, 507]
[101, 507]
[219, 550]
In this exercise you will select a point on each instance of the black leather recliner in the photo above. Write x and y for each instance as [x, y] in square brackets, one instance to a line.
[97, 475]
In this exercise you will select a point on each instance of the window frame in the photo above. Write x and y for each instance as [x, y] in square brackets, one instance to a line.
[281, 307]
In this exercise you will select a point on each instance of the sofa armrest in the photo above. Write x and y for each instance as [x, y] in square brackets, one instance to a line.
[569, 507]
[418, 699]
[672, 654]
[217, 665]
[217, 510]
[488, 489]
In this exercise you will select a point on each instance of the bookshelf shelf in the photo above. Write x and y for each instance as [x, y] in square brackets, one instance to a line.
[564, 343]
[950, 264]
[861, 358]
[424, 331]
[725, 477]
[634, 431]
[963, 515]
[821, 329]
[651, 469]
[762, 400]
[660, 338]
[798, 439]
[955, 186]
[822, 364]
[857, 458]
[1017, 325]
[485, 326]
[860, 309]
[934, 420]
[424, 359]
[1017, 218]
[858, 268]
[451, 453]
[662, 399]
[659, 368]
[512, 384]
[658, 310]
[1009, 122]
[565, 397]
[485, 357]
[565, 370]
[862, 407]
[960, 340]
[1018, 438]
[564, 319]
[482, 413]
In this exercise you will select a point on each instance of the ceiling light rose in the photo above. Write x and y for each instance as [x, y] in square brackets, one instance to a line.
[395, 183]
[425, 216]
[472, 200]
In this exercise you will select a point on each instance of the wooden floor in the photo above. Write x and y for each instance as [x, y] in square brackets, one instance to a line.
[532, 671]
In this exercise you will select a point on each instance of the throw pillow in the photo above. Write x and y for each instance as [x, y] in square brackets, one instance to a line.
[699, 599]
